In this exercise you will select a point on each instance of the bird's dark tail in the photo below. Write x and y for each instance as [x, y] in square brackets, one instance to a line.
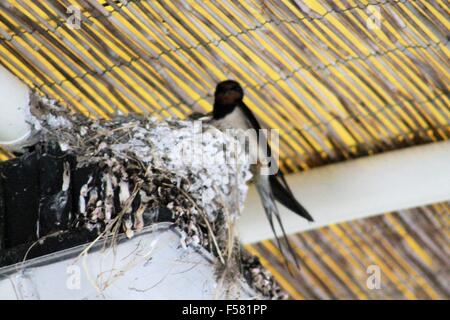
[284, 195]
[270, 207]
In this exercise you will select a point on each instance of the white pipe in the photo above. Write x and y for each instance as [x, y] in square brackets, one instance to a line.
[14, 104]
[359, 188]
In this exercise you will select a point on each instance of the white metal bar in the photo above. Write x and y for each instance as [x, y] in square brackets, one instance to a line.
[14, 101]
[151, 265]
[359, 188]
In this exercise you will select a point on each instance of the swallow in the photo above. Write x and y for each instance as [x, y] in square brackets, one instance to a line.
[230, 112]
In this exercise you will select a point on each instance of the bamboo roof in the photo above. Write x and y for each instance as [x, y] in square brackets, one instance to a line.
[411, 248]
[314, 69]
[335, 88]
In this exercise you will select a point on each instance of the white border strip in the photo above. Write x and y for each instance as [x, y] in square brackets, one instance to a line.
[396, 180]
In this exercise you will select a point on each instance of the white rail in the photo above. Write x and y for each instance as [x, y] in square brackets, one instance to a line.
[359, 188]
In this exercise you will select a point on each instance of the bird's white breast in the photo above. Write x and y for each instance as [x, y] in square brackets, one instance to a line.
[238, 120]
[233, 120]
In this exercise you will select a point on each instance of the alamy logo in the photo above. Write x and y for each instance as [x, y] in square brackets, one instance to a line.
[373, 22]
[374, 279]
[74, 19]
[73, 281]
[246, 147]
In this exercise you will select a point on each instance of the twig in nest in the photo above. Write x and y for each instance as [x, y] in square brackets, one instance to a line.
[115, 223]
[205, 218]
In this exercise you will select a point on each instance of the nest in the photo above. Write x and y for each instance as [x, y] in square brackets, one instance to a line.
[141, 165]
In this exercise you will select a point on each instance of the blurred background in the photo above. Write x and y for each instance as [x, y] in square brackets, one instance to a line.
[340, 79]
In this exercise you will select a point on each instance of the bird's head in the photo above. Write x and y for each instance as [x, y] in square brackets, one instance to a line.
[227, 96]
